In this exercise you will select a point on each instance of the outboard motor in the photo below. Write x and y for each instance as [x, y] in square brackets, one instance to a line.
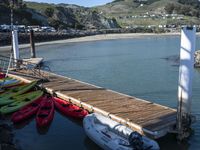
[136, 141]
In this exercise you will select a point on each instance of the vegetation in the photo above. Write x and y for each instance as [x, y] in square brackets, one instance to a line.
[49, 11]
[153, 12]
[186, 10]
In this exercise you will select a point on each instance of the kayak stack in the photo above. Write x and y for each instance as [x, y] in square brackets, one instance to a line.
[25, 101]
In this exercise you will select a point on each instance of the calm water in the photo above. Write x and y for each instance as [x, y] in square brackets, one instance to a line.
[133, 66]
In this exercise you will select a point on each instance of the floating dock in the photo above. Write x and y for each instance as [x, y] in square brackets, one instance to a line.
[34, 62]
[148, 118]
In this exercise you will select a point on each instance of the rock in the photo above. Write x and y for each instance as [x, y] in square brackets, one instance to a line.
[5, 134]
[7, 147]
[6, 138]
[197, 59]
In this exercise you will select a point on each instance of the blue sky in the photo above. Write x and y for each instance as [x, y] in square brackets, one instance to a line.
[87, 3]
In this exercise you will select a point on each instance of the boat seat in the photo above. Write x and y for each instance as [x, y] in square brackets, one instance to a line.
[27, 99]
[42, 115]
[66, 105]
[34, 104]
[116, 128]
[78, 110]
[46, 108]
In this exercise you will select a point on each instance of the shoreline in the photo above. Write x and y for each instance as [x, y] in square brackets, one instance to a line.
[91, 38]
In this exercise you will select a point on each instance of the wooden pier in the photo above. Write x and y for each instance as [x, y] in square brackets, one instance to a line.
[148, 118]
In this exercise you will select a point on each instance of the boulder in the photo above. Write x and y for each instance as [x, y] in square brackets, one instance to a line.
[197, 59]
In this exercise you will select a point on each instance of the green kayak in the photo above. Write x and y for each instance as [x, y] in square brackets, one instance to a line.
[21, 101]
[7, 78]
[11, 93]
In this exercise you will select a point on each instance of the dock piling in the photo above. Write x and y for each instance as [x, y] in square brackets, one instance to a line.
[188, 39]
[32, 42]
[15, 46]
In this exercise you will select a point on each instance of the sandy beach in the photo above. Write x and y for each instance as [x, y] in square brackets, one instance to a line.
[93, 38]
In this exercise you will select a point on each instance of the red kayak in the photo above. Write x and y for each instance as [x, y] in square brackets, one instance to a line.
[69, 109]
[46, 112]
[2, 75]
[27, 111]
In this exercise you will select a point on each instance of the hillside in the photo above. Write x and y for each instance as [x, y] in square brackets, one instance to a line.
[152, 12]
[119, 13]
[61, 16]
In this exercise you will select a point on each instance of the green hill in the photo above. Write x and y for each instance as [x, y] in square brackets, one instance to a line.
[152, 12]
[60, 16]
[119, 13]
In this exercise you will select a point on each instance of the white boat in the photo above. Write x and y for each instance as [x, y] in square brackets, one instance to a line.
[110, 135]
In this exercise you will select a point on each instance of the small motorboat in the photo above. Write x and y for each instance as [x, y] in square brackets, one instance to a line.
[27, 111]
[45, 113]
[68, 109]
[111, 135]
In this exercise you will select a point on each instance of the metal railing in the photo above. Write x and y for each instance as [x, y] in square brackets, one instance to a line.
[30, 69]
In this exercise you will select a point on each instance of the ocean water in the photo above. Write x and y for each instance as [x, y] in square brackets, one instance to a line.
[144, 67]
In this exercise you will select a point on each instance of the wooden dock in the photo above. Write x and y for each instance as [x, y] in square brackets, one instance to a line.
[148, 118]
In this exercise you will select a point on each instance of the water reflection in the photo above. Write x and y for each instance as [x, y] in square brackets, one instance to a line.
[23, 123]
[170, 143]
[90, 145]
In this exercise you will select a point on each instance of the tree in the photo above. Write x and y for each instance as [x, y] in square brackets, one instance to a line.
[49, 11]
[25, 22]
[169, 8]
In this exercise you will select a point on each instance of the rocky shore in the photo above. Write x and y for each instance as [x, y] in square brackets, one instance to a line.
[6, 137]
[197, 59]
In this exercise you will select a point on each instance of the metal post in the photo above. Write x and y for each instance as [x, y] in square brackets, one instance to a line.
[11, 14]
[188, 39]
[11, 22]
[15, 47]
[32, 42]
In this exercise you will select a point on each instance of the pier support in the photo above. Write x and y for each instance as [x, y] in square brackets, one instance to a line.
[15, 47]
[32, 42]
[184, 118]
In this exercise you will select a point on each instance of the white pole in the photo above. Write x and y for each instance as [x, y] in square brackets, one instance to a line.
[188, 40]
[15, 44]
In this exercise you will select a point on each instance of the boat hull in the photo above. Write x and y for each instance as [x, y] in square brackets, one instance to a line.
[69, 109]
[110, 135]
[45, 113]
[27, 111]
